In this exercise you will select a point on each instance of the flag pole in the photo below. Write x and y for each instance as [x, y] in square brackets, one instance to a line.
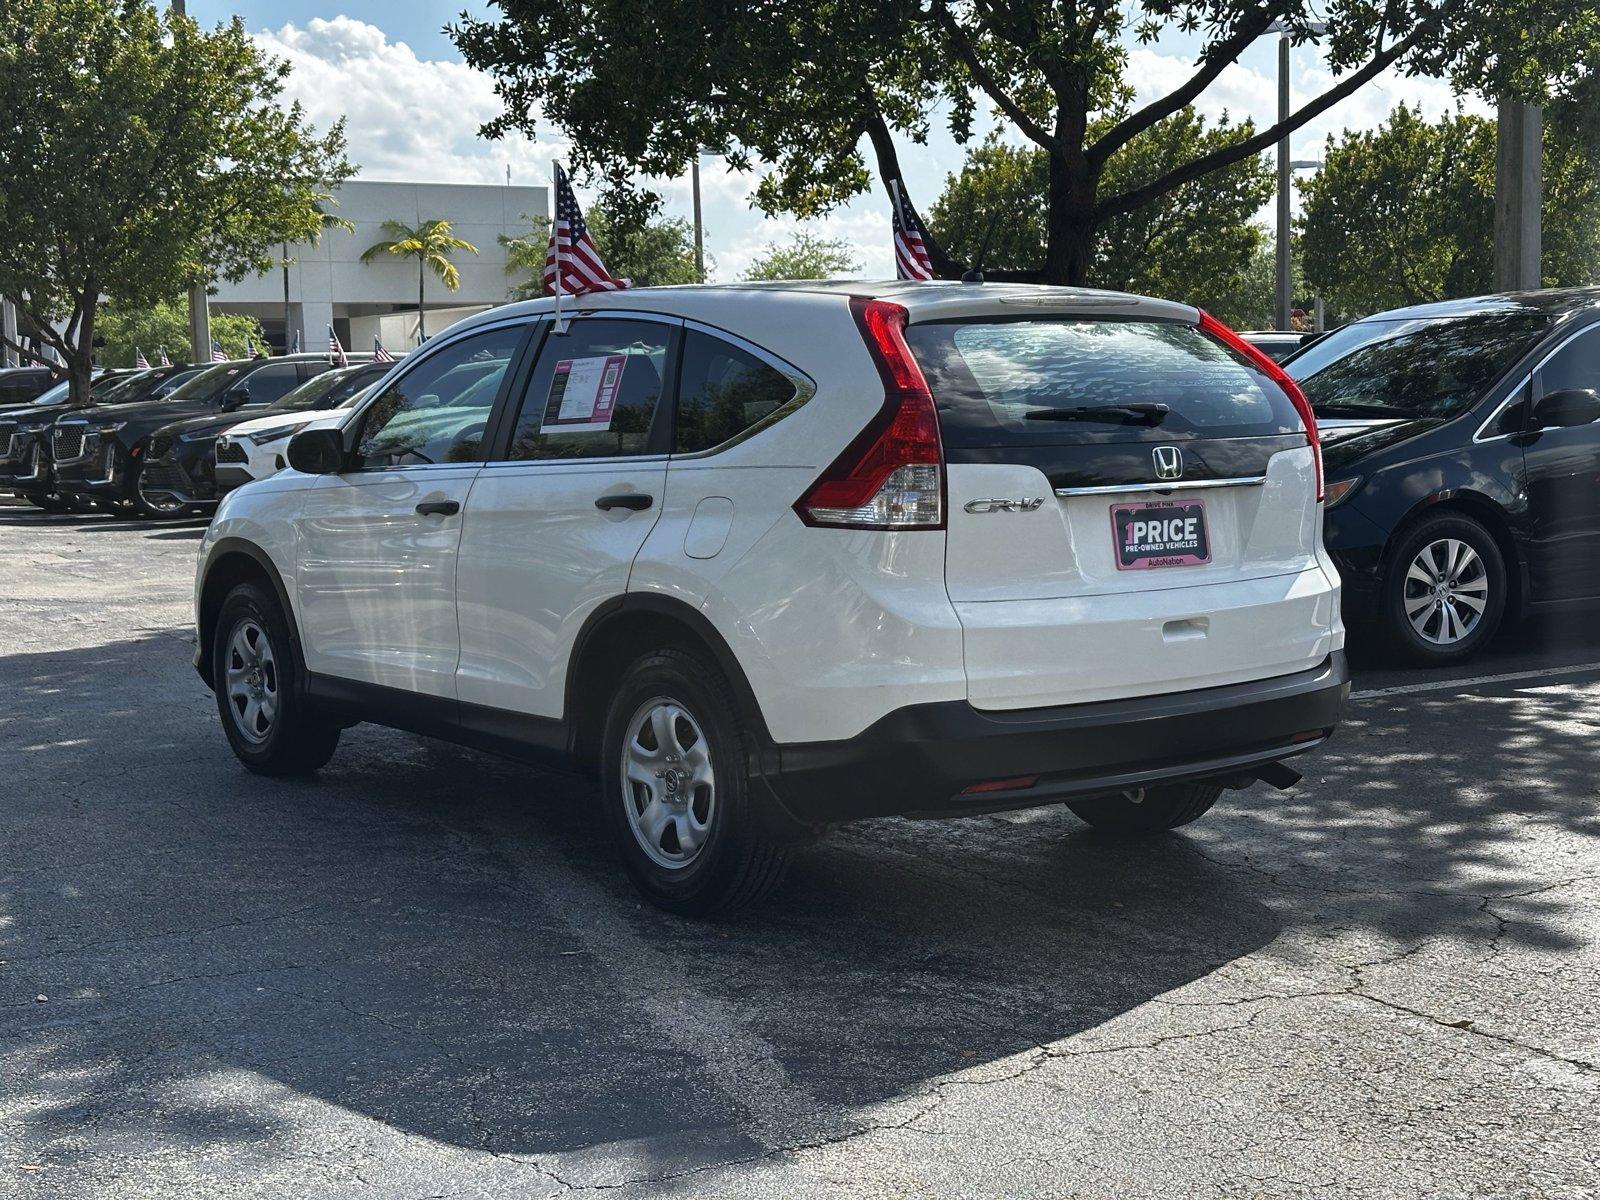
[560, 325]
[894, 191]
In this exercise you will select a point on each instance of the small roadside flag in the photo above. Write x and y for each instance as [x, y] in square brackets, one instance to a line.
[257, 351]
[295, 349]
[336, 354]
[216, 352]
[572, 265]
[165, 361]
[379, 354]
[139, 360]
[911, 259]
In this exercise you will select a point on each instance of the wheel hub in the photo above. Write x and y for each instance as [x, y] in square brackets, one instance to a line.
[668, 782]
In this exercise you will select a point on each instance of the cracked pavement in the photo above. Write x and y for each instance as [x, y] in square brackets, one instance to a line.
[422, 975]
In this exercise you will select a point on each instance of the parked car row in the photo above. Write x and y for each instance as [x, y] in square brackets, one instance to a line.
[146, 444]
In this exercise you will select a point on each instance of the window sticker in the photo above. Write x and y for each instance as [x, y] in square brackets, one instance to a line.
[583, 394]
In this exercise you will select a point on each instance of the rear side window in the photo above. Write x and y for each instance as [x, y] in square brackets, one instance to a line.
[723, 392]
[1066, 380]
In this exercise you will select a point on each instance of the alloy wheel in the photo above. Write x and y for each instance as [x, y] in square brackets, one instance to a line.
[251, 673]
[1446, 592]
[668, 782]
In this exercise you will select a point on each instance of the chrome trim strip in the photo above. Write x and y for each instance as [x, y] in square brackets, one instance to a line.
[1178, 485]
[1515, 396]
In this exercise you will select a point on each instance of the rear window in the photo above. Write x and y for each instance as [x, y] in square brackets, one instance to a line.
[1066, 380]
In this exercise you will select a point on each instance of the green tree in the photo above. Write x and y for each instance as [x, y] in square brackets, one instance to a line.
[122, 331]
[431, 244]
[1194, 243]
[811, 88]
[805, 256]
[146, 156]
[633, 239]
[1404, 213]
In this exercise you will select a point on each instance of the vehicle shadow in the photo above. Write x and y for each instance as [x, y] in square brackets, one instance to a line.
[440, 941]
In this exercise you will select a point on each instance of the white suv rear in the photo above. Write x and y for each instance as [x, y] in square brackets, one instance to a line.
[770, 558]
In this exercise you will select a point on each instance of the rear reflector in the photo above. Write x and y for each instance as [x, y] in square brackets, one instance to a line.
[891, 476]
[1015, 784]
[1215, 328]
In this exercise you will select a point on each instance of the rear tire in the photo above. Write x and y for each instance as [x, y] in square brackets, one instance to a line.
[1161, 808]
[258, 678]
[676, 793]
[1444, 591]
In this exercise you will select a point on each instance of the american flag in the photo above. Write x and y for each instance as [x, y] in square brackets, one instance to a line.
[295, 349]
[911, 259]
[582, 268]
[255, 350]
[165, 361]
[216, 352]
[379, 354]
[336, 354]
[139, 360]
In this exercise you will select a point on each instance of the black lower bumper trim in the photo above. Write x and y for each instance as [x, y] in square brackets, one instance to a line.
[917, 760]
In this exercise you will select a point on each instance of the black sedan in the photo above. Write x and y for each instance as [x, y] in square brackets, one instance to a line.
[1462, 455]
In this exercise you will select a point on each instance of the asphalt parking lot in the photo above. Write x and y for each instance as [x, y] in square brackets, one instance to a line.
[421, 974]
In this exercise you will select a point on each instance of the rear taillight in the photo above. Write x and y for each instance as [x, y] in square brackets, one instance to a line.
[1215, 328]
[892, 475]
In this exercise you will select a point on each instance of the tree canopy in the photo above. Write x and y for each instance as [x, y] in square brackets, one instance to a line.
[636, 242]
[157, 156]
[1404, 213]
[123, 331]
[804, 256]
[810, 89]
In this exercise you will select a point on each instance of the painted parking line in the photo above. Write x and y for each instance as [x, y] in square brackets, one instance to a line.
[1445, 685]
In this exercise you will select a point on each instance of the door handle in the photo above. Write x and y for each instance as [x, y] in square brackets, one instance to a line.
[438, 508]
[637, 501]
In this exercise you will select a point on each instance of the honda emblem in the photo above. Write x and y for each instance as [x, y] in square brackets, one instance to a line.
[1169, 462]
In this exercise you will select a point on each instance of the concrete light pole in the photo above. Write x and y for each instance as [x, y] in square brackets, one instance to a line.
[699, 228]
[8, 329]
[199, 305]
[1518, 194]
[1286, 168]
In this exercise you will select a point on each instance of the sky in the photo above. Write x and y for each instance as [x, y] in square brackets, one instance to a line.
[413, 109]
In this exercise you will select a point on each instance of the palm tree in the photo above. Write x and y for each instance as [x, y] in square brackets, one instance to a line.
[430, 244]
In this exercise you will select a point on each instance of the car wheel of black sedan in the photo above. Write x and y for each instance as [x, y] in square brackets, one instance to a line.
[1444, 590]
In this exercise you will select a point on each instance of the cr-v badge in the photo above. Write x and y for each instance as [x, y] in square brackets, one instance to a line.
[1169, 462]
[999, 505]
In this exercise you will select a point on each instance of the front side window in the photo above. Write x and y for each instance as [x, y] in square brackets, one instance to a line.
[594, 392]
[437, 411]
[269, 384]
[723, 391]
[1575, 365]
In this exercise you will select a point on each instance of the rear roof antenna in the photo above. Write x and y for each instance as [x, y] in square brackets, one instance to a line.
[976, 274]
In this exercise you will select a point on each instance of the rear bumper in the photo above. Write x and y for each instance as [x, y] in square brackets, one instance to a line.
[917, 760]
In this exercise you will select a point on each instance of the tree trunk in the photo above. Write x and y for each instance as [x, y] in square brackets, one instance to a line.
[1069, 220]
[80, 360]
[422, 280]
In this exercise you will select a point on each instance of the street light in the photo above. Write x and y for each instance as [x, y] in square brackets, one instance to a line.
[1286, 169]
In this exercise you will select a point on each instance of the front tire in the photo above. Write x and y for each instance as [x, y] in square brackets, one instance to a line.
[676, 791]
[1156, 809]
[1444, 591]
[257, 676]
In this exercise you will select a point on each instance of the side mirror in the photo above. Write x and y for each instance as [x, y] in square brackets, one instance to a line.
[318, 452]
[1566, 408]
[235, 398]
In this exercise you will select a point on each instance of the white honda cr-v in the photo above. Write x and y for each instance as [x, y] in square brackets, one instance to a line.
[764, 559]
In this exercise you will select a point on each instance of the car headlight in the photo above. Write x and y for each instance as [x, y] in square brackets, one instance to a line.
[108, 430]
[1339, 490]
[198, 435]
[265, 436]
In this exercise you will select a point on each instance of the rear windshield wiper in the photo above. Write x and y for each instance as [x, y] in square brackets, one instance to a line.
[1111, 414]
[1357, 409]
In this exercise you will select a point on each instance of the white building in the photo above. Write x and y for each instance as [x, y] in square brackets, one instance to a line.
[329, 284]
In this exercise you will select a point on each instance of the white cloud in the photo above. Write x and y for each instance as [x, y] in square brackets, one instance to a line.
[407, 118]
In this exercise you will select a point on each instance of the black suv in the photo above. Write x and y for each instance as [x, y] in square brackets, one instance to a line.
[181, 470]
[100, 454]
[25, 467]
[23, 385]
